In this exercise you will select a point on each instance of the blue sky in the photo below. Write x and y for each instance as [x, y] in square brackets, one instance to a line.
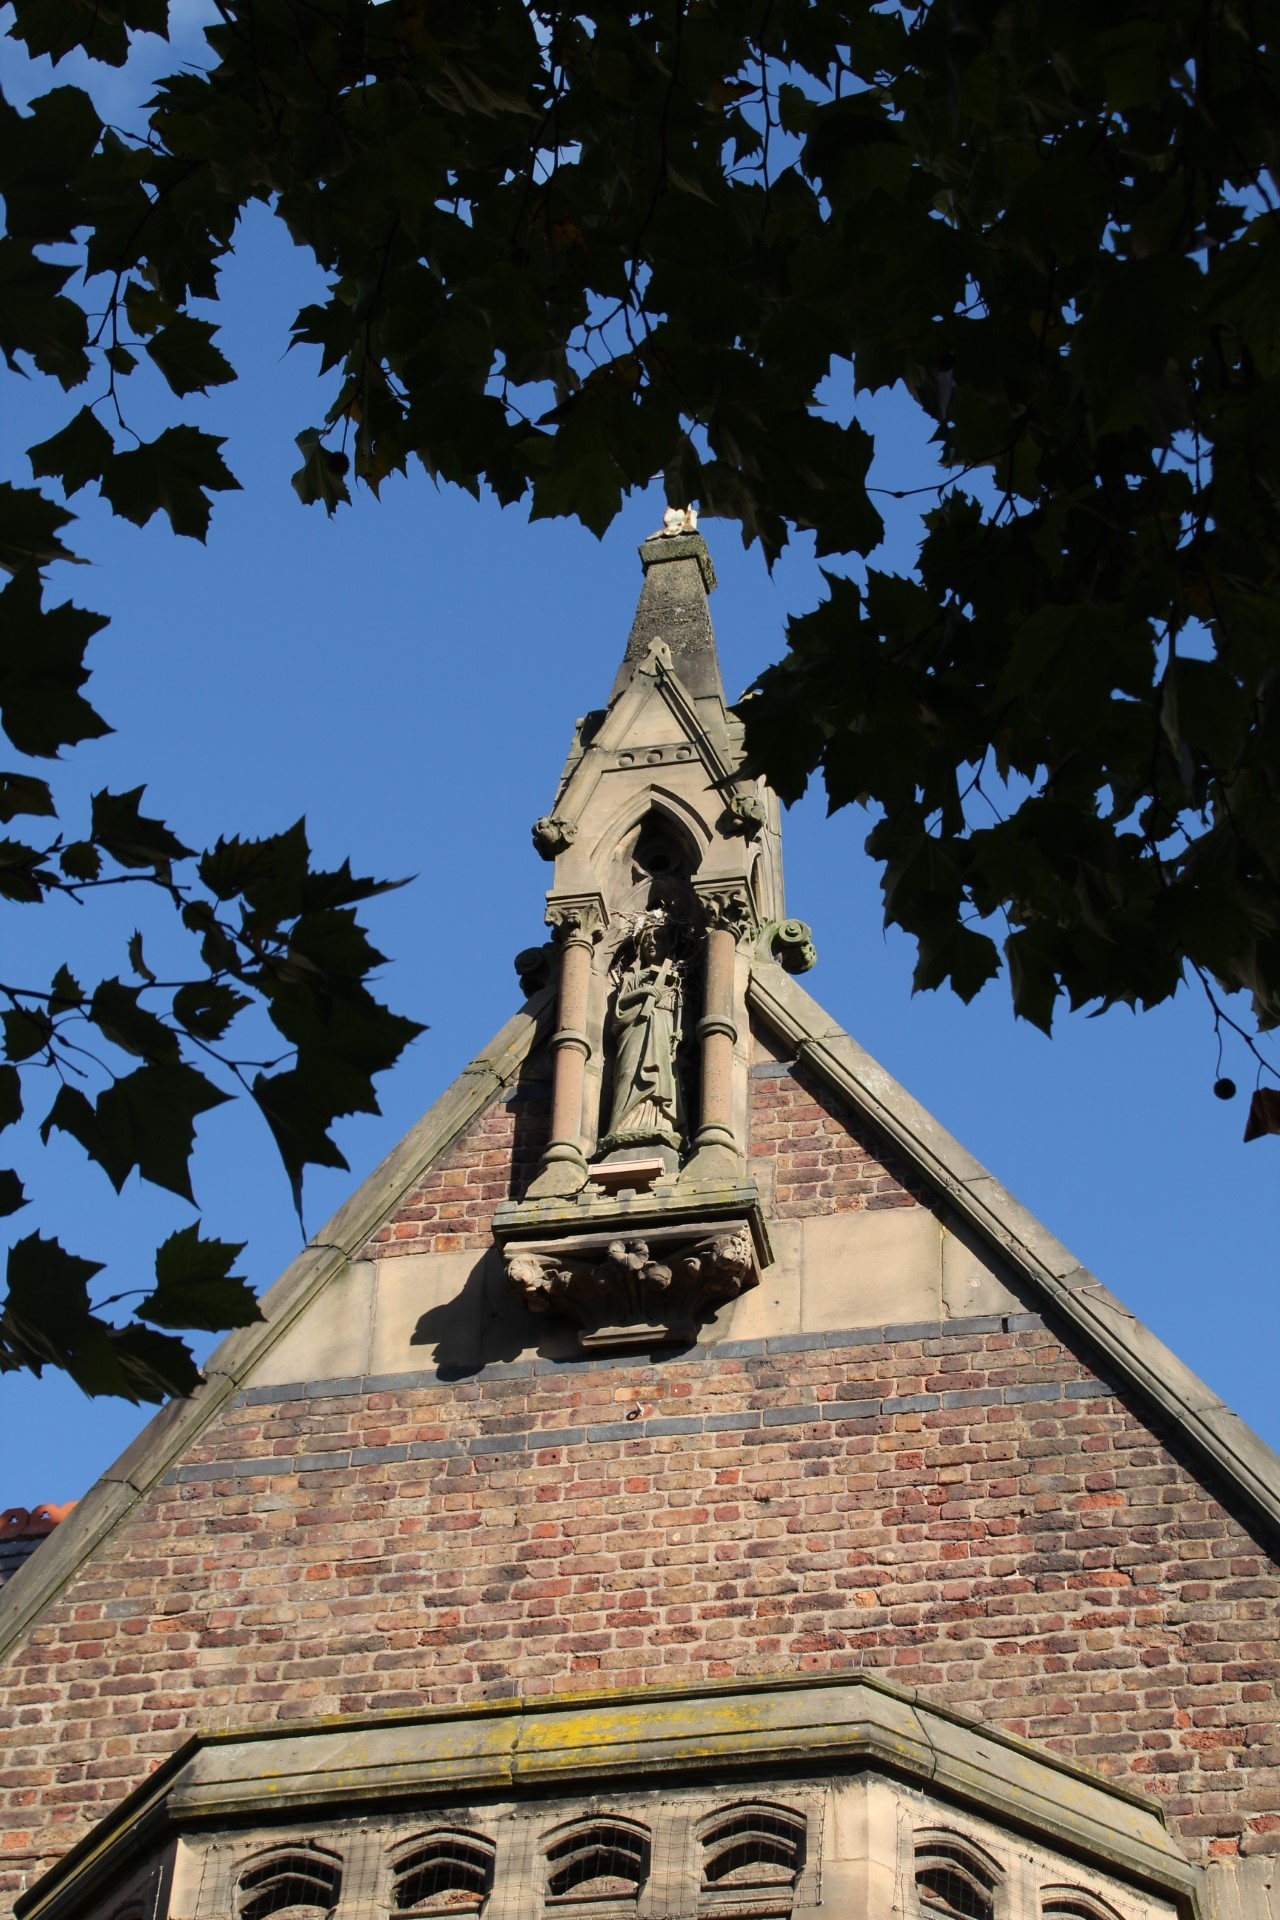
[407, 676]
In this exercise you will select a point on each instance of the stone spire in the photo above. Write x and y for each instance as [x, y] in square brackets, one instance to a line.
[668, 880]
[678, 576]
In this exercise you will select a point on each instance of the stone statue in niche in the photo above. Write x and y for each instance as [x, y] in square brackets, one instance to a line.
[647, 1018]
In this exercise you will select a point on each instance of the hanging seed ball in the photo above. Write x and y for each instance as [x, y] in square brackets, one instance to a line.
[1225, 1089]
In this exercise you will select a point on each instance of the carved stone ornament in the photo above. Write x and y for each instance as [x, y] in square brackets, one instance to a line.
[630, 1292]
[533, 968]
[552, 834]
[582, 918]
[746, 815]
[791, 944]
[729, 910]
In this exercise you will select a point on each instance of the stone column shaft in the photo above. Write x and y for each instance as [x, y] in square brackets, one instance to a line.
[564, 1166]
[717, 1033]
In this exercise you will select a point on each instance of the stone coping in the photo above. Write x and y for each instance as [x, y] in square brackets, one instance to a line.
[801, 1727]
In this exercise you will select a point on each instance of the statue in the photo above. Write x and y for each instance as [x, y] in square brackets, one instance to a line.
[646, 1027]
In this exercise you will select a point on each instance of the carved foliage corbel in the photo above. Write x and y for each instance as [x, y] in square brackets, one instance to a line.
[630, 1289]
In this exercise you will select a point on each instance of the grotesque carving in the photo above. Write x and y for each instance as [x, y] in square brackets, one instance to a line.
[533, 968]
[628, 1289]
[552, 834]
[791, 944]
[746, 815]
[646, 1030]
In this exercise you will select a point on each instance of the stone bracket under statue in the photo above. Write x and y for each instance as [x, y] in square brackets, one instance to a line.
[634, 1269]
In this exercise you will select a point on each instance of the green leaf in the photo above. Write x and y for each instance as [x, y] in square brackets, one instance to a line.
[42, 670]
[67, 993]
[27, 1032]
[1032, 978]
[12, 1195]
[22, 793]
[102, 30]
[186, 356]
[174, 473]
[81, 860]
[47, 1321]
[144, 1121]
[42, 153]
[23, 874]
[10, 1096]
[299, 1125]
[207, 1008]
[322, 477]
[137, 959]
[195, 1286]
[77, 454]
[29, 529]
[37, 319]
[118, 1014]
[132, 839]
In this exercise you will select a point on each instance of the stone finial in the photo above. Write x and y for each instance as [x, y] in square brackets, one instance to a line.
[553, 834]
[678, 520]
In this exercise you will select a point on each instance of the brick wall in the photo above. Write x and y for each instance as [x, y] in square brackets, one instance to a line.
[809, 1152]
[967, 1509]
[450, 1210]
[972, 1513]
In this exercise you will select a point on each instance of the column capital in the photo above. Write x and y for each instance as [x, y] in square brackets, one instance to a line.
[727, 907]
[580, 917]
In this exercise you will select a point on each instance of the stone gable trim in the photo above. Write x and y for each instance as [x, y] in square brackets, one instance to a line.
[812, 1725]
[488, 1078]
[1078, 1298]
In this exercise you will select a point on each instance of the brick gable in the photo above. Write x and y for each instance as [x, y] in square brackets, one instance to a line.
[966, 1506]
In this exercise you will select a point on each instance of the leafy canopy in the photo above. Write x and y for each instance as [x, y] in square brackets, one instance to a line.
[569, 249]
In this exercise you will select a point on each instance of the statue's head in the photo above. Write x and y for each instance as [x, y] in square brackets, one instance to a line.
[650, 950]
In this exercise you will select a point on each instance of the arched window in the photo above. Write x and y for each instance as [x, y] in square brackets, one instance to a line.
[1072, 1903]
[757, 1845]
[954, 1879]
[446, 1872]
[605, 1858]
[303, 1882]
